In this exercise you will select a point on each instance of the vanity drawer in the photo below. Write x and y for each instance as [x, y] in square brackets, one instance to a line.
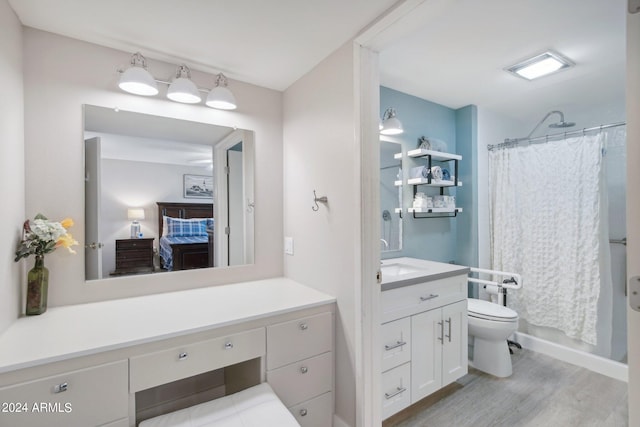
[299, 339]
[302, 380]
[87, 397]
[396, 390]
[396, 343]
[153, 369]
[317, 412]
[408, 300]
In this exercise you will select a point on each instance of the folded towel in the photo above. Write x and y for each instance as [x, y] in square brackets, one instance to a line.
[419, 172]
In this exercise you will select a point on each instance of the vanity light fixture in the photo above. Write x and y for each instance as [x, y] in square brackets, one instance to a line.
[220, 96]
[390, 123]
[135, 214]
[136, 79]
[540, 65]
[182, 89]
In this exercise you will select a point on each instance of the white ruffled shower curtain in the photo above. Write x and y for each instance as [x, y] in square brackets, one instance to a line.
[549, 223]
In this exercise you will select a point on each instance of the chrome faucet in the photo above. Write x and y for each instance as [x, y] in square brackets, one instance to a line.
[386, 244]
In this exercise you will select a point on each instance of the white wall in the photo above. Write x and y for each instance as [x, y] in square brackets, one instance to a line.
[11, 163]
[320, 154]
[493, 128]
[61, 75]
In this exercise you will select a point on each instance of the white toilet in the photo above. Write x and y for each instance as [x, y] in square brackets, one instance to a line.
[490, 325]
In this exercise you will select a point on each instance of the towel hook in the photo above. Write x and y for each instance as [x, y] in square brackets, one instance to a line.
[317, 199]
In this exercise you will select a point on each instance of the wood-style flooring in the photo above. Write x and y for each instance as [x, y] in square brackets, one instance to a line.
[541, 392]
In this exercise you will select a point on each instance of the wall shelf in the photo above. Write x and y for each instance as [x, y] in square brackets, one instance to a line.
[432, 183]
[428, 211]
[435, 155]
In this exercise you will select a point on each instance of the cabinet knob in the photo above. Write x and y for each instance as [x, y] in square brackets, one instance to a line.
[304, 369]
[303, 412]
[304, 326]
[183, 355]
[228, 345]
[60, 388]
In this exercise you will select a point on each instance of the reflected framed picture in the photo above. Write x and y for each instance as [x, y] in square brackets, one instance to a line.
[198, 186]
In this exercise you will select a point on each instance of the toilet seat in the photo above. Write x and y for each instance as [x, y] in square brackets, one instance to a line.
[489, 311]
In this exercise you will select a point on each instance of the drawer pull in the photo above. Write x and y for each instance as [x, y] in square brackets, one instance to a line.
[304, 326]
[60, 388]
[304, 369]
[183, 356]
[395, 393]
[431, 296]
[396, 345]
[303, 412]
[441, 337]
[449, 322]
[228, 345]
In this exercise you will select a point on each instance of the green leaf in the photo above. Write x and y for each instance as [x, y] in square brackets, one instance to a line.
[40, 216]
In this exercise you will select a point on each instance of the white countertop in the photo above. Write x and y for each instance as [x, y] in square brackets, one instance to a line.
[410, 271]
[65, 332]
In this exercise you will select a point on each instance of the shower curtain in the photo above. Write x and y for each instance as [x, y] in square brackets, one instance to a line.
[548, 222]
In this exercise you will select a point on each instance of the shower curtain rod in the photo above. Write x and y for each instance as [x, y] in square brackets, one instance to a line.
[540, 139]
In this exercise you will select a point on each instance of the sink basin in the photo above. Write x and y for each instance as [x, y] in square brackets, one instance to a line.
[398, 269]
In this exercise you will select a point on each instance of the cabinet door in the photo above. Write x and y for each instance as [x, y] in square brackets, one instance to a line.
[454, 349]
[427, 331]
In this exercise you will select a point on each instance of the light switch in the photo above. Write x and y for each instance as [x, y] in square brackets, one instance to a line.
[288, 245]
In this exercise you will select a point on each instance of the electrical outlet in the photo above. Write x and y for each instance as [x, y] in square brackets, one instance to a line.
[288, 245]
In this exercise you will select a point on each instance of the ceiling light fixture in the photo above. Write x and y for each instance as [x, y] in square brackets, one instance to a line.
[136, 79]
[540, 65]
[182, 89]
[390, 123]
[220, 96]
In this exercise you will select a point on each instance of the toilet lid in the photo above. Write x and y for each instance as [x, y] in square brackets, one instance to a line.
[488, 310]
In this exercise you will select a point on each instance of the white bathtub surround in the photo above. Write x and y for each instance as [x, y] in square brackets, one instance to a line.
[592, 362]
[549, 222]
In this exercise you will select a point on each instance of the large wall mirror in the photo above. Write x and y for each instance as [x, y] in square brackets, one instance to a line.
[390, 196]
[164, 194]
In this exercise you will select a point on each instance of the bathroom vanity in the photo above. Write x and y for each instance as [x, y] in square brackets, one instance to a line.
[84, 365]
[424, 329]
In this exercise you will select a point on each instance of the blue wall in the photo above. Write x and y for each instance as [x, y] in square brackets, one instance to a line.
[435, 239]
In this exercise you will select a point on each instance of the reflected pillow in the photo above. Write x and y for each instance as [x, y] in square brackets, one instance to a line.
[178, 227]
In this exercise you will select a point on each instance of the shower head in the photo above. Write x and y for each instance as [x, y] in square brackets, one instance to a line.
[561, 123]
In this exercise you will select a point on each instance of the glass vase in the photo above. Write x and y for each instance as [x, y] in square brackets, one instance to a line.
[37, 287]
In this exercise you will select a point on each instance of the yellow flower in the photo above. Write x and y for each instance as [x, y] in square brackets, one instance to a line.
[66, 223]
[67, 241]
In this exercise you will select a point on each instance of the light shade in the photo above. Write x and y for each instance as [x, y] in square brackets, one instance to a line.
[390, 123]
[221, 96]
[182, 89]
[135, 213]
[136, 79]
[540, 65]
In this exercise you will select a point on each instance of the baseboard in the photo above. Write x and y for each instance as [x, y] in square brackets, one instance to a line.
[601, 365]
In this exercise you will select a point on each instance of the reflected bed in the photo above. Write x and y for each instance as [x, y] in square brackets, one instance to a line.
[186, 235]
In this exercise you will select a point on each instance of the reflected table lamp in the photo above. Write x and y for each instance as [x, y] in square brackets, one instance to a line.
[135, 214]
